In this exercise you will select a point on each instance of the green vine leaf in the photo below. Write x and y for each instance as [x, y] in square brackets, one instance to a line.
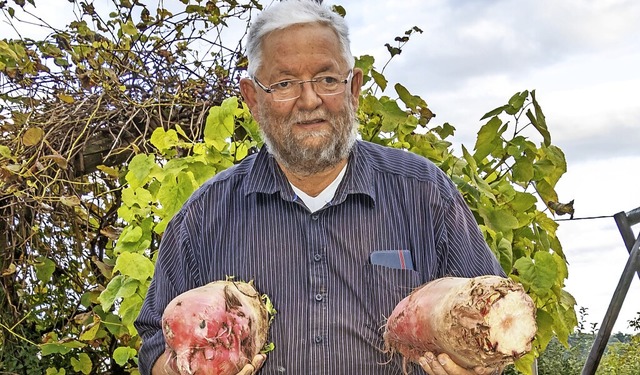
[516, 102]
[379, 79]
[123, 354]
[488, 139]
[129, 309]
[61, 347]
[165, 141]
[538, 274]
[173, 192]
[130, 28]
[44, 269]
[411, 101]
[522, 170]
[134, 265]
[220, 123]
[140, 168]
[120, 286]
[538, 120]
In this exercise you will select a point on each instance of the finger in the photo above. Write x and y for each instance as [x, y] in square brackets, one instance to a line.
[449, 367]
[429, 363]
[254, 366]
[426, 365]
[247, 370]
[258, 361]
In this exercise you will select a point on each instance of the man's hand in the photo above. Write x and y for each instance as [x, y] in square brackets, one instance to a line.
[255, 365]
[443, 365]
[166, 365]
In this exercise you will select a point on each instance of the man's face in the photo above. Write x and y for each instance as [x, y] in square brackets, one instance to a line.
[311, 133]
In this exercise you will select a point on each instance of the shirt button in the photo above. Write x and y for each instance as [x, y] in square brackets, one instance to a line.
[317, 339]
[318, 297]
[317, 257]
[314, 217]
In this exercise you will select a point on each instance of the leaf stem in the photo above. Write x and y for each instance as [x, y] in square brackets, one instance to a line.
[11, 331]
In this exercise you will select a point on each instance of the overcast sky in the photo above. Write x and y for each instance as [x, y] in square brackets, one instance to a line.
[582, 58]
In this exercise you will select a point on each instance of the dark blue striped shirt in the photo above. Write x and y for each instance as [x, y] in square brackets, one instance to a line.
[332, 302]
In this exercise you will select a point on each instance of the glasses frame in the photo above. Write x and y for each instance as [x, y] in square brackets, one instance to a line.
[270, 90]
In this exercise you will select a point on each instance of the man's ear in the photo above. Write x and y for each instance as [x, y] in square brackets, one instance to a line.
[356, 86]
[248, 90]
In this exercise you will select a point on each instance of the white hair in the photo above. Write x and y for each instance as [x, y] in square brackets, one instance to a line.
[291, 12]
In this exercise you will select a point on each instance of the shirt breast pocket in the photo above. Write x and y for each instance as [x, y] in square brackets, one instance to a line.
[387, 286]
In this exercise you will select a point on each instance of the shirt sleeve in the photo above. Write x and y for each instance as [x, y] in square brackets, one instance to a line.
[148, 325]
[467, 253]
[168, 280]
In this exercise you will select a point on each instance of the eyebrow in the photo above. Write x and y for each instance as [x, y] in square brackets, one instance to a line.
[325, 69]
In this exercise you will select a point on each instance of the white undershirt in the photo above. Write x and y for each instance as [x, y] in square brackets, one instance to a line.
[325, 196]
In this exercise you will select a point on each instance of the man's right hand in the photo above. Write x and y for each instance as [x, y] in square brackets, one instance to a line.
[255, 365]
[165, 365]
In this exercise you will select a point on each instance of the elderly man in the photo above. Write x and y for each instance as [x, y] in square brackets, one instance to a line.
[313, 217]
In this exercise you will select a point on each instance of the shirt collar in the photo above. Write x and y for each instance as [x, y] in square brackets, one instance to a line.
[359, 178]
[266, 177]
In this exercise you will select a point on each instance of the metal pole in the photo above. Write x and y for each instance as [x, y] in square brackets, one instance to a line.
[632, 266]
[624, 221]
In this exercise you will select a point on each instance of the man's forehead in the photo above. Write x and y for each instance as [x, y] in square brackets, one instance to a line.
[328, 66]
[300, 48]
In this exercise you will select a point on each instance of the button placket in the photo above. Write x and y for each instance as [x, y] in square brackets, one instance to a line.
[318, 277]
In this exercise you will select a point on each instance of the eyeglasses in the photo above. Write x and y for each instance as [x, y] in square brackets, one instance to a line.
[292, 88]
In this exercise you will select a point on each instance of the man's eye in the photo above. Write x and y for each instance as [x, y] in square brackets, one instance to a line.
[282, 85]
[328, 80]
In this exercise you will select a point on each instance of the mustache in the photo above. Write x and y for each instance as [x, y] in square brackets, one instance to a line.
[302, 117]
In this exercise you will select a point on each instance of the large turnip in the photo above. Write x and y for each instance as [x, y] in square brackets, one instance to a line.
[216, 329]
[485, 321]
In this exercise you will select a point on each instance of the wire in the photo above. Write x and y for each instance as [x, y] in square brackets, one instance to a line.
[586, 218]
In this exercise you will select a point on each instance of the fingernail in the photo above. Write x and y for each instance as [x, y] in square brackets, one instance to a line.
[443, 361]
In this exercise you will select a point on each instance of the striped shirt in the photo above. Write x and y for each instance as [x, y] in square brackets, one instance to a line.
[331, 299]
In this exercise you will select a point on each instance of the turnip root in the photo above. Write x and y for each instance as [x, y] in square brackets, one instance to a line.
[484, 321]
[216, 329]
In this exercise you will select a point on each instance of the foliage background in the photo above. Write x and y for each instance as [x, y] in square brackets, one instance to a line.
[108, 125]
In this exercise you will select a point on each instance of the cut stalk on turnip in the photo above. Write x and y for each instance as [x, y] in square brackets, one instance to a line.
[216, 329]
[486, 321]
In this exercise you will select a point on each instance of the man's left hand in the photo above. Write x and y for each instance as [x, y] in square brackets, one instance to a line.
[443, 365]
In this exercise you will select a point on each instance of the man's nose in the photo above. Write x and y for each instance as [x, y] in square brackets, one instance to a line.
[309, 98]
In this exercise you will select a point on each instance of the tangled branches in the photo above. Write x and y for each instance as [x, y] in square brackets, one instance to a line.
[74, 108]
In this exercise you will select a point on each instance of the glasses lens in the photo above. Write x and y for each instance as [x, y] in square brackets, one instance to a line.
[285, 90]
[292, 89]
